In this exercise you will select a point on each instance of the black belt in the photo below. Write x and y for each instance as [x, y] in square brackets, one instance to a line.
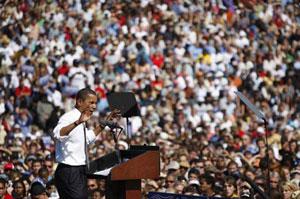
[62, 165]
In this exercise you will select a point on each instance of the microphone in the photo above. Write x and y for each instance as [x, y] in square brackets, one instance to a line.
[110, 124]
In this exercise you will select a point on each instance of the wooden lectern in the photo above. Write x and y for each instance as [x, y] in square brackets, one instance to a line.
[127, 168]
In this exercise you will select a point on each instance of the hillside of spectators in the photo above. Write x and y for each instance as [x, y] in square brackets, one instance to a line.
[183, 60]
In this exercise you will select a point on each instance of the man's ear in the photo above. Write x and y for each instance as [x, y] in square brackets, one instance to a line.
[79, 102]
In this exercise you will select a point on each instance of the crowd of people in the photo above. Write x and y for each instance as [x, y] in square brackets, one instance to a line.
[183, 60]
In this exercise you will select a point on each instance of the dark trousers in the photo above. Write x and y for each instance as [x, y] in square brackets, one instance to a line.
[71, 181]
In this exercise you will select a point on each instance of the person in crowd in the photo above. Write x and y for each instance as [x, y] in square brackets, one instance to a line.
[38, 191]
[3, 189]
[19, 190]
[170, 182]
[92, 184]
[97, 194]
[206, 185]
[288, 188]
[230, 187]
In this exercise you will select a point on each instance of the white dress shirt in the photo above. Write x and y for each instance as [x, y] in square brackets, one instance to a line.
[70, 149]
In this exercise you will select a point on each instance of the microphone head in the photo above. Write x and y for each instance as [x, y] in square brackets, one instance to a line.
[110, 124]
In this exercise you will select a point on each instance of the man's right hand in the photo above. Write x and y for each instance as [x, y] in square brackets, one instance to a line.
[85, 116]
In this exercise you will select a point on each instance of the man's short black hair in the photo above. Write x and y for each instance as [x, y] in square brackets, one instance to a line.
[37, 188]
[3, 181]
[83, 93]
[208, 178]
[194, 171]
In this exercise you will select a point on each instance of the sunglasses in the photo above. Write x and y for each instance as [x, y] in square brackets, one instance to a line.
[169, 181]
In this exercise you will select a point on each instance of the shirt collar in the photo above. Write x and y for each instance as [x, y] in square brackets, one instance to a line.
[77, 110]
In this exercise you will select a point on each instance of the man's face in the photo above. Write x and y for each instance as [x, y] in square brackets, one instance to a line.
[36, 167]
[232, 168]
[96, 195]
[49, 165]
[40, 196]
[229, 189]
[193, 176]
[274, 182]
[92, 184]
[204, 186]
[170, 181]
[90, 103]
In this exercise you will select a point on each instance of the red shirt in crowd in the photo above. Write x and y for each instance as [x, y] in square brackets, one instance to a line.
[7, 196]
[22, 91]
[100, 91]
[157, 59]
[63, 69]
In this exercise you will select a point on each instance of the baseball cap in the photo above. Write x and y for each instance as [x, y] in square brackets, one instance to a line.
[173, 165]
[9, 166]
[4, 177]
[31, 157]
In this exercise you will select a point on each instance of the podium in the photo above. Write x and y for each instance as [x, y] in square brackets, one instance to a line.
[125, 169]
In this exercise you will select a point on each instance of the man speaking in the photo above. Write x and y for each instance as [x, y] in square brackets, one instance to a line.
[72, 137]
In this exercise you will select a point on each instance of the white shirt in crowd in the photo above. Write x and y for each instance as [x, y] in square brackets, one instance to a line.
[70, 149]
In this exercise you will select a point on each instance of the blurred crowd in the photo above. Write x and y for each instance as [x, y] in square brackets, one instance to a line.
[183, 60]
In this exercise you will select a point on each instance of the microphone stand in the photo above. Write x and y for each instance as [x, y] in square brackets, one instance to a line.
[116, 144]
[267, 156]
[261, 116]
[86, 151]
[254, 186]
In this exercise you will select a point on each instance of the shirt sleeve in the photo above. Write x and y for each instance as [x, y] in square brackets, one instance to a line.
[61, 124]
